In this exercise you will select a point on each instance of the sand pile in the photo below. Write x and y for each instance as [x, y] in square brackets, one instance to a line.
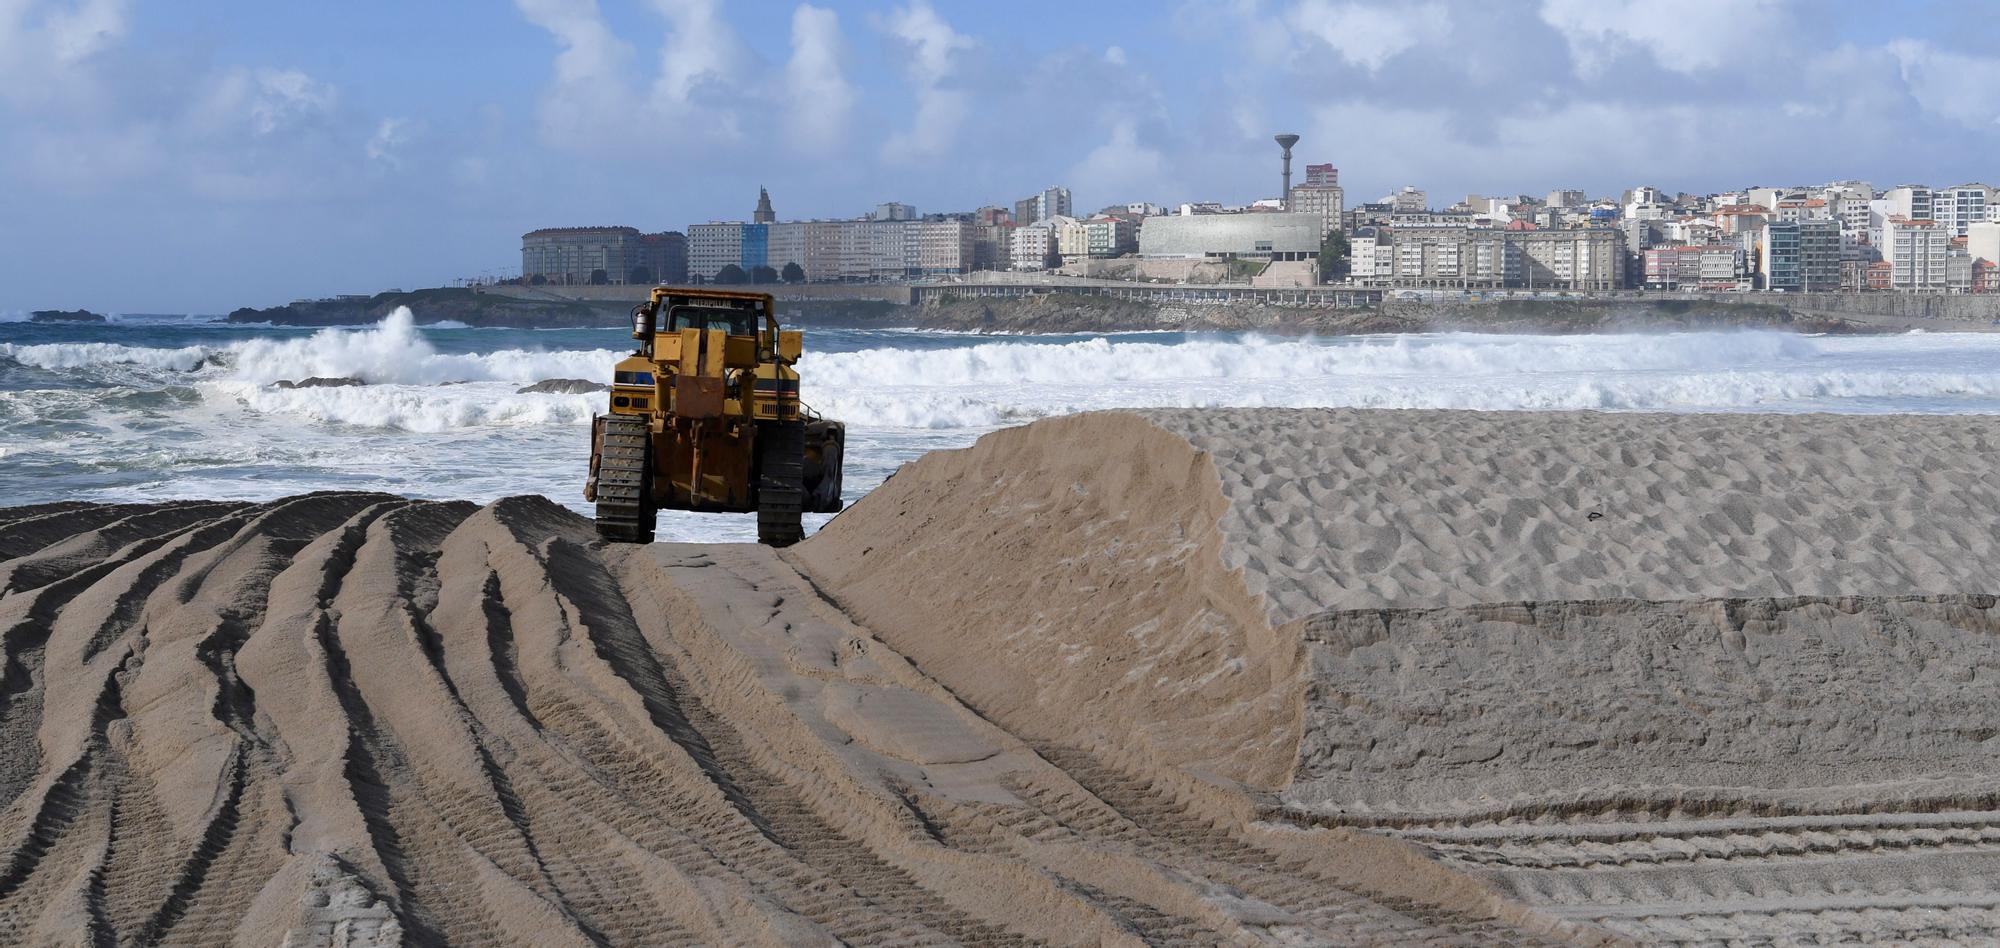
[353, 719]
[1325, 677]
[1661, 648]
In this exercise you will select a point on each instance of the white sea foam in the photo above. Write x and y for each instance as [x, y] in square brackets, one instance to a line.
[1263, 358]
[418, 408]
[79, 355]
[393, 351]
[193, 421]
[915, 408]
[991, 384]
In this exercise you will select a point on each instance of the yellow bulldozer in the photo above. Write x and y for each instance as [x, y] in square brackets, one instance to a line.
[706, 416]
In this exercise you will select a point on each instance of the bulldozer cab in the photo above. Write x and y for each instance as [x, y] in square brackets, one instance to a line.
[748, 320]
[735, 321]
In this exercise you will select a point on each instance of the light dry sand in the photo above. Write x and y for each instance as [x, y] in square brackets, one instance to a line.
[1355, 509]
[1191, 678]
[1749, 698]
[361, 720]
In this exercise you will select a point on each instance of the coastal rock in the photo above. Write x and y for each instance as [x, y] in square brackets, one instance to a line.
[65, 316]
[562, 387]
[444, 304]
[320, 382]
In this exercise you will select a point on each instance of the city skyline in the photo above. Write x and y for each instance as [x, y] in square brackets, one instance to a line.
[225, 156]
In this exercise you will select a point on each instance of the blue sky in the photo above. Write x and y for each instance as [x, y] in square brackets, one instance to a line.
[200, 155]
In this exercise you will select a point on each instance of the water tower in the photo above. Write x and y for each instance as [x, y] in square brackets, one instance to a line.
[1286, 141]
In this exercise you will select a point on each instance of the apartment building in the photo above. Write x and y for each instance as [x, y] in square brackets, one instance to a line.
[1584, 259]
[1957, 208]
[1031, 246]
[1371, 256]
[1446, 257]
[585, 255]
[1051, 202]
[1982, 241]
[943, 246]
[712, 246]
[1910, 201]
[1916, 251]
[1321, 196]
[1800, 256]
[1439, 257]
[1108, 236]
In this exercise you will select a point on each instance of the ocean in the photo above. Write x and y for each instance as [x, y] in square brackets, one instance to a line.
[156, 408]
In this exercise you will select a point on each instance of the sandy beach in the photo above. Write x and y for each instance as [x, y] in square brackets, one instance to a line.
[1189, 677]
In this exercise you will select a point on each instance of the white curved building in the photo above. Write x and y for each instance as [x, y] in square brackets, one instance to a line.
[1264, 236]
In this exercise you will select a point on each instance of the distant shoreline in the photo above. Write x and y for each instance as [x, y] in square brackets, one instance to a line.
[1071, 312]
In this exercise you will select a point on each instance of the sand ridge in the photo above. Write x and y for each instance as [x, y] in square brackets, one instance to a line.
[355, 719]
[1355, 509]
[1746, 699]
[1183, 678]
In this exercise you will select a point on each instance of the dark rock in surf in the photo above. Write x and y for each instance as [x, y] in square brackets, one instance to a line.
[562, 387]
[64, 316]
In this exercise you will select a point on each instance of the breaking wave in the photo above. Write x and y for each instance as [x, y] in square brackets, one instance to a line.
[394, 352]
[416, 408]
[1730, 391]
[1105, 359]
[991, 384]
[413, 386]
[390, 352]
[83, 355]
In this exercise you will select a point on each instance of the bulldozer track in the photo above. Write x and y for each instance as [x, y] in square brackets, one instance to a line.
[461, 728]
[1125, 808]
[1904, 876]
[1074, 802]
[781, 476]
[624, 483]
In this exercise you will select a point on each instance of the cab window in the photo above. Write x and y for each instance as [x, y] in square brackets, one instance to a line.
[739, 322]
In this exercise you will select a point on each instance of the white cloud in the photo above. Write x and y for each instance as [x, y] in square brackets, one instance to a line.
[283, 98]
[1123, 169]
[84, 114]
[267, 135]
[821, 98]
[471, 171]
[941, 109]
[1429, 147]
[84, 29]
[1686, 36]
[1672, 146]
[591, 88]
[931, 39]
[385, 145]
[594, 101]
[1368, 36]
[1115, 55]
[261, 103]
[1953, 85]
[701, 50]
[85, 160]
[45, 48]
